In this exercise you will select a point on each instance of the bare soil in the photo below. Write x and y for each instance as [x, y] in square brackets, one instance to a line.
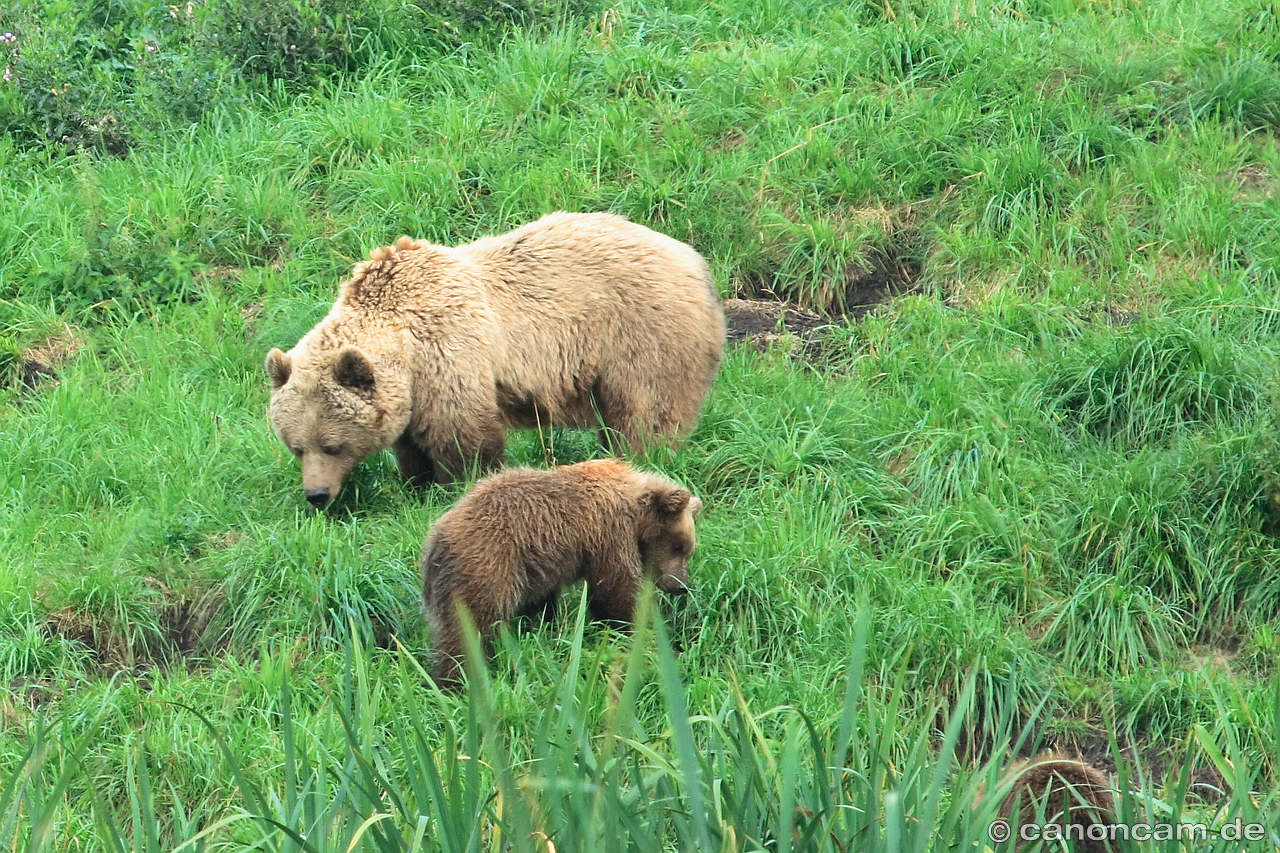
[34, 374]
[759, 323]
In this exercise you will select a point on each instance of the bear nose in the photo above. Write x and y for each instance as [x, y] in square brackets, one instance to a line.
[318, 497]
[672, 585]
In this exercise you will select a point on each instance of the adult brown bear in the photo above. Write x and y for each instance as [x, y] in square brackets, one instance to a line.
[581, 320]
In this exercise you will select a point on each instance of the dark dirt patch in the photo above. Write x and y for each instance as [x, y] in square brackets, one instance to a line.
[766, 313]
[38, 365]
[35, 692]
[1147, 764]
[1160, 767]
[218, 274]
[183, 638]
[749, 319]
[34, 374]
[729, 140]
[1254, 179]
[1121, 317]
[889, 275]
[186, 628]
[759, 323]
[1208, 784]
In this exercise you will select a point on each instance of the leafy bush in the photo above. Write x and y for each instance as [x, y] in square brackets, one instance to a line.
[95, 76]
[109, 275]
[92, 76]
[65, 76]
[293, 41]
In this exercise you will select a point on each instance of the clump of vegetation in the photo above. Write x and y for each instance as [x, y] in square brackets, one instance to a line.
[1139, 386]
[95, 76]
[91, 77]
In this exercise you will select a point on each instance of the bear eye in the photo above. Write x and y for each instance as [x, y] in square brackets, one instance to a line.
[296, 451]
[677, 550]
[332, 449]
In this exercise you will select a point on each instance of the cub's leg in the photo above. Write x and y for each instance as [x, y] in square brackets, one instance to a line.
[447, 639]
[612, 586]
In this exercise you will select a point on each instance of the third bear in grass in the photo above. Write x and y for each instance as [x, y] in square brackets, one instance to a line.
[1056, 802]
[519, 536]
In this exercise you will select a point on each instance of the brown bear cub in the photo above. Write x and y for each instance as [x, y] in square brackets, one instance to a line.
[583, 320]
[519, 536]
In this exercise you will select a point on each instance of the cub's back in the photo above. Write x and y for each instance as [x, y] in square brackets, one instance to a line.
[521, 521]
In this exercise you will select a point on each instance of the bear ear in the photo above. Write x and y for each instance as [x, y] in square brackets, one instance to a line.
[353, 369]
[279, 366]
[667, 502]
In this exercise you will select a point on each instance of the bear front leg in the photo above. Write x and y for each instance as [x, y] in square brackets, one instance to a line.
[442, 618]
[454, 454]
[632, 419]
[612, 599]
[414, 463]
[446, 668]
[457, 422]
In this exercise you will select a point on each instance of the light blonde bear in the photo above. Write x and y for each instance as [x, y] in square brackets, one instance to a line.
[583, 320]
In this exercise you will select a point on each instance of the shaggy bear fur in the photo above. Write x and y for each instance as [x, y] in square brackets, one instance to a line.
[1057, 789]
[581, 320]
[519, 536]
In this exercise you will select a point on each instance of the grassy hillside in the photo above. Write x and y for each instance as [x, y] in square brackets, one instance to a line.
[1018, 488]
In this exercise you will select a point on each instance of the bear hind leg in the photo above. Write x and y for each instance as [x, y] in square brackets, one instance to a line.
[447, 642]
[612, 602]
[446, 649]
[634, 419]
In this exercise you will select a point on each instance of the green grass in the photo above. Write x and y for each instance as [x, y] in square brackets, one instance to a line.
[1032, 501]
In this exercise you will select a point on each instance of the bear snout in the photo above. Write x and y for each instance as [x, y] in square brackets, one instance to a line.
[318, 497]
[673, 585]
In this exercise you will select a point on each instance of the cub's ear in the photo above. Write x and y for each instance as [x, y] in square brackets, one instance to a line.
[667, 502]
[279, 366]
[695, 505]
[353, 369]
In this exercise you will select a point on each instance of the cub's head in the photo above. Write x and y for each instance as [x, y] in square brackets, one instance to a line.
[333, 410]
[666, 535]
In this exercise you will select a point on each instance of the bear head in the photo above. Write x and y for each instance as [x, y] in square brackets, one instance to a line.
[666, 535]
[333, 410]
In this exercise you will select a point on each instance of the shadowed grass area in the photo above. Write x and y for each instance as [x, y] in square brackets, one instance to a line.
[1031, 493]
